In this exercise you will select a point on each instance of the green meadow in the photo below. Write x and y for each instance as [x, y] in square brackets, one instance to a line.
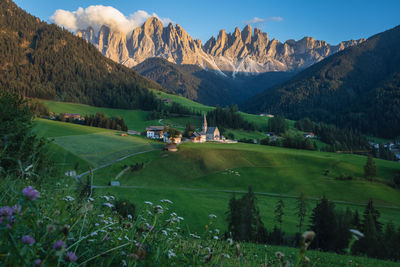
[201, 178]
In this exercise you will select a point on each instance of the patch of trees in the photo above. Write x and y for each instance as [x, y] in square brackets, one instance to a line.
[336, 230]
[38, 108]
[228, 117]
[22, 153]
[278, 125]
[164, 111]
[384, 152]
[290, 141]
[99, 120]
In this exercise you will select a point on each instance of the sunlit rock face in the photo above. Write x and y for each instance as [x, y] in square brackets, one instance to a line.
[246, 51]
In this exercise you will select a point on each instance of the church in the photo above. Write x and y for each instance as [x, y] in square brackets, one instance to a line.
[207, 134]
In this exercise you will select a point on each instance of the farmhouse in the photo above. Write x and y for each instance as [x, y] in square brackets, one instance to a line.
[74, 116]
[198, 137]
[155, 132]
[309, 135]
[175, 140]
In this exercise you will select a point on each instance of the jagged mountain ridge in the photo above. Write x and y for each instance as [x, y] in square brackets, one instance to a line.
[246, 51]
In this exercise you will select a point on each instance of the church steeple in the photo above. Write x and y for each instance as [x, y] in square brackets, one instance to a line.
[205, 124]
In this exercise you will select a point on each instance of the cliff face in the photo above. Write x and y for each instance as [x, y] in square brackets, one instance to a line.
[248, 50]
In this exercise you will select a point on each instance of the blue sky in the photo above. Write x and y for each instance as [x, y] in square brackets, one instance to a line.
[332, 21]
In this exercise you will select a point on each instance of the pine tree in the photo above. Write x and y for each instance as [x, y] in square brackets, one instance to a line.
[301, 210]
[279, 213]
[370, 168]
[323, 224]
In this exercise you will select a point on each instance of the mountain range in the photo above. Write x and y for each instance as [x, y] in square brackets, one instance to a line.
[246, 51]
[357, 88]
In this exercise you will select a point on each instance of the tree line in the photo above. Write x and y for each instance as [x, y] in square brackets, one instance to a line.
[228, 117]
[337, 230]
[99, 120]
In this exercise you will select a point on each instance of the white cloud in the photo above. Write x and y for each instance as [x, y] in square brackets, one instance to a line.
[97, 16]
[279, 19]
[257, 20]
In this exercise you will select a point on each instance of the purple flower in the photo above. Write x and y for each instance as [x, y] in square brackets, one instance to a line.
[6, 211]
[28, 240]
[16, 208]
[59, 245]
[30, 193]
[38, 262]
[71, 257]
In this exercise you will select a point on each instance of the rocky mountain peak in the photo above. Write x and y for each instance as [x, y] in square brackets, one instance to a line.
[240, 51]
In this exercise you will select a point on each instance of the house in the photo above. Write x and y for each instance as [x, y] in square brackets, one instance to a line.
[130, 132]
[176, 140]
[198, 137]
[309, 135]
[74, 116]
[155, 132]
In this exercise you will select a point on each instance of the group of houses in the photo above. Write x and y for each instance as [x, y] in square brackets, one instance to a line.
[207, 134]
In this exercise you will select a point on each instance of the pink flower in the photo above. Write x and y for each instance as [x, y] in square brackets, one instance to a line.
[28, 240]
[30, 193]
[71, 257]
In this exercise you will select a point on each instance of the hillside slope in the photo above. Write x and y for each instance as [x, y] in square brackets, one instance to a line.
[356, 88]
[42, 60]
[208, 87]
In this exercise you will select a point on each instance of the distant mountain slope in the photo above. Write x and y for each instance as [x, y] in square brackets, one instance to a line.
[207, 87]
[249, 50]
[41, 60]
[357, 88]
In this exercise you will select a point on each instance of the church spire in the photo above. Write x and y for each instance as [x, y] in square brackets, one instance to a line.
[204, 124]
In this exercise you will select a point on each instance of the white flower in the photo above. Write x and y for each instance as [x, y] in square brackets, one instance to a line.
[108, 205]
[166, 201]
[148, 203]
[96, 224]
[217, 231]
[119, 238]
[181, 218]
[127, 238]
[149, 212]
[90, 240]
[216, 237]
[106, 198]
[112, 197]
[230, 241]
[164, 232]
[124, 263]
[195, 236]
[356, 234]
[101, 215]
[212, 216]
[90, 199]
[171, 253]
[68, 198]
[226, 256]
[158, 209]
[93, 234]
[129, 217]
[173, 214]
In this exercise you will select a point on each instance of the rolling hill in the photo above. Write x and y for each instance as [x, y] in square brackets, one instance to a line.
[357, 88]
[45, 61]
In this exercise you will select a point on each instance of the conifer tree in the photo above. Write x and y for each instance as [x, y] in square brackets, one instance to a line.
[370, 168]
[323, 224]
[301, 210]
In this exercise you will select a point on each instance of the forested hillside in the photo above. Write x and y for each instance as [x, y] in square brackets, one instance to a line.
[357, 88]
[207, 86]
[45, 61]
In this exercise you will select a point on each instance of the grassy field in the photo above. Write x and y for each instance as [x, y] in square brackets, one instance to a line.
[96, 146]
[200, 178]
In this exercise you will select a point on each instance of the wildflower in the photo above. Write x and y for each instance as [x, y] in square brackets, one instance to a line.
[16, 209]
[96, 224]
[356, 234]
[166, 201]
[149, 213]
[93, 234]
[30, 193]
[68, 198]
[230, 241]
[90, 199]
[195, 236]
[138, 244]
[279, 255]
[158, 209]
[106, 198]
[124, 263]
[164, 232]
[71, 257]
[171, 254]
[129, 217]
[108, 205]
[148, 203]
[308, 236]
[212, 216]
[306, 260]
[6, 211]
[59, 245]
[28, 240]
[37, 262]
[217, 231]
[216, 237]
[226, 256]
